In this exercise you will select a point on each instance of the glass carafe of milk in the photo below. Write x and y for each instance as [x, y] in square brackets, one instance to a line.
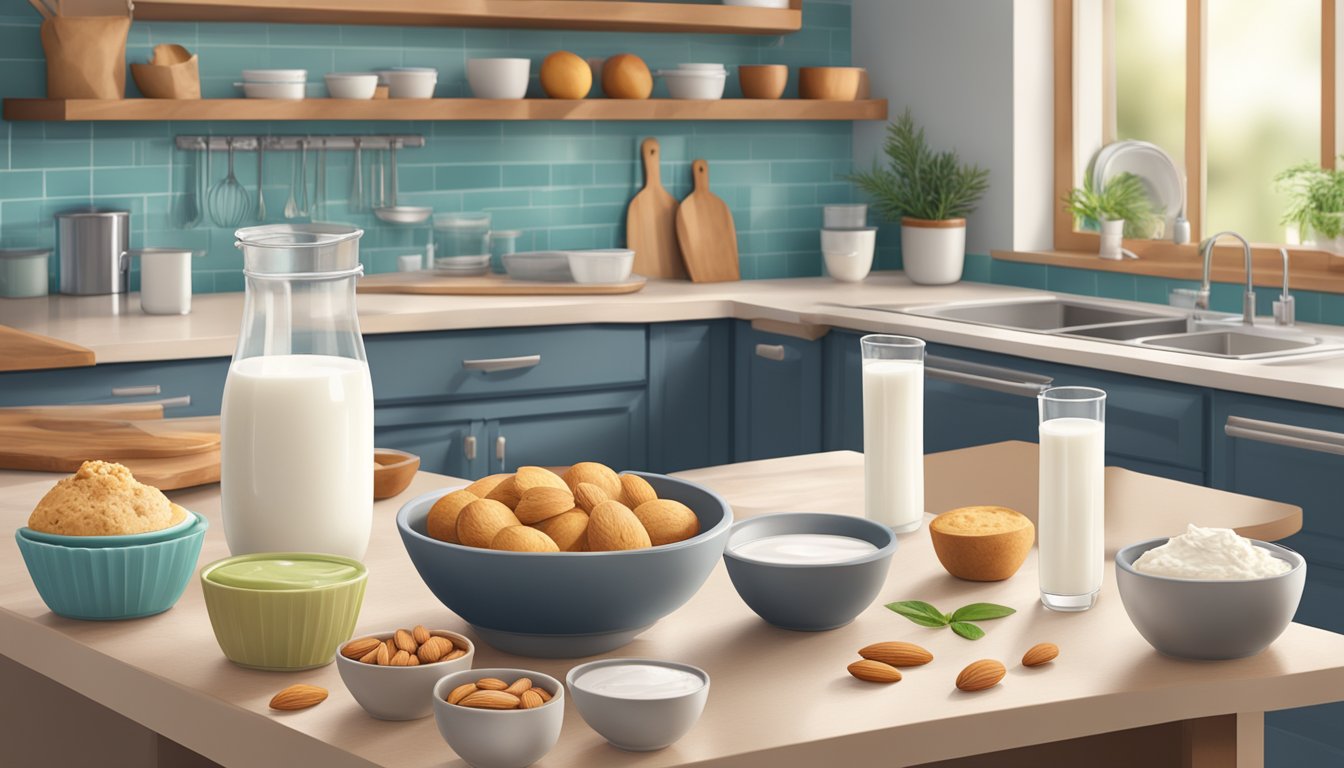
[296, 428]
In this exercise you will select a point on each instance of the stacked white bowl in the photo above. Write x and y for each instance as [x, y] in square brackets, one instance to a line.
[847, 241]
[409, 82]
[274, 83]
[695, 81]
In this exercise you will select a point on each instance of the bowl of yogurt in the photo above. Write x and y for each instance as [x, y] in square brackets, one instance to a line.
[639, 705]
[1209, 593]
[808, 571]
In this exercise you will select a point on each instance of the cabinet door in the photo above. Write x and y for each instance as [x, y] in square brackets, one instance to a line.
[968, 402]
[609, 427]
[777, 397]
[842, 411]
[690, 395]
[447, 439]
[186, 387]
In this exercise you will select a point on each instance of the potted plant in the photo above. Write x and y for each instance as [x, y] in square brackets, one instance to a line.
[1122, 208]
[1315, 204]
[931, 194]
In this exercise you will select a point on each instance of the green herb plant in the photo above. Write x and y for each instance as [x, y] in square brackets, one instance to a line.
[919, 182]
[1123, 198]
[960, 620]
[1315, 200]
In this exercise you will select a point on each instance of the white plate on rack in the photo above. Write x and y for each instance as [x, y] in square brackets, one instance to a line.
[1154, 167]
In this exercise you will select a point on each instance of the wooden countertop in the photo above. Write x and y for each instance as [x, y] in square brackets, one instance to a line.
[24, 351]
[778, 697]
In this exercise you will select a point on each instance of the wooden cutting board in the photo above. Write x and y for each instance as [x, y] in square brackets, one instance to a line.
[24, 351]
[430, 283]
[706, 232]
[651, 222]
[177, 472]
[50, 444]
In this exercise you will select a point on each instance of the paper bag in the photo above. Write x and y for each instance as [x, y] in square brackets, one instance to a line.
[86, 56]
[173, 73]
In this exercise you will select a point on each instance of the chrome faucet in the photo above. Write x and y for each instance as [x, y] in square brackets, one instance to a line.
[1248, 298]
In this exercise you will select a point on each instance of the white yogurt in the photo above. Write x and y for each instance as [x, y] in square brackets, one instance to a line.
[1210, 553]
[804, 549]
[640, 681]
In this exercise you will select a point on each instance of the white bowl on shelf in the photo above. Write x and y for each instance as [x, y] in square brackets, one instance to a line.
[702, 67]
[601, 265]
[409, 82]
[351, 85]
[275, 75]
[759, 3]
[703, 85]
[848, 253]
[285, 91]
[498, 78]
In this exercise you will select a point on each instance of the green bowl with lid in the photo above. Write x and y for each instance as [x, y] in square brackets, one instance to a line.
[283, 610]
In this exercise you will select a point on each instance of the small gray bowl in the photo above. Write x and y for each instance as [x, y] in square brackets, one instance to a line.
[810, 597]
[638, 724]
[400, 693]
[495, 738]
[1209, 619]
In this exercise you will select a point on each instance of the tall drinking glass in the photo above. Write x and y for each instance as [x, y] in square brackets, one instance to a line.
[1071, 518]
[893, 430]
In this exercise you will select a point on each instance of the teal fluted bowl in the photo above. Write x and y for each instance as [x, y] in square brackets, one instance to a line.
[112, 583]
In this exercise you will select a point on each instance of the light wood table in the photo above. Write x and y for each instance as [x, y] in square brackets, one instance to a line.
[779, 698]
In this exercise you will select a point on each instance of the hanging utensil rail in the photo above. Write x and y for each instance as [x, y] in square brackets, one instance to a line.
[294, 143]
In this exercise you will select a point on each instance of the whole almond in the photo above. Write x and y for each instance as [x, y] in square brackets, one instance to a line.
[434, 649]
[569, 531]
[442, 521]
[527, 478]
[482, 488]
[457, 653]
[420, 634]
[487, 699]
[588, 495]
[391, 644]
[979, 675]
[505, 492]
[402, 659]
[481, 520]
[897, 654]
[460, 692]
[874, 671]
[356, 649]
[491, 684]
[543, 502]
[521, 538]
[372, 656]
[598, 474]
[542, 692]
[612, 526]
[667, 521]
[1040, 653]
[405, 641]
[635, 490]
[531, 699]
[384, 656]
[519, 685]
[412, 660]
[298, 697]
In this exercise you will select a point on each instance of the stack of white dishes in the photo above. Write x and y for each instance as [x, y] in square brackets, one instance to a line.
[409, 82]
[351, 85]
[847, 242]
[695, 81]
[274, 83]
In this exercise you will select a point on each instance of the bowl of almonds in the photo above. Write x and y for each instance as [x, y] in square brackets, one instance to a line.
[499, 717]
[565, 564]
[392, 674]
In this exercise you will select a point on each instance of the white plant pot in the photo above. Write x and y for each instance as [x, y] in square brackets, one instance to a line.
[1112, 239]
[933, 252]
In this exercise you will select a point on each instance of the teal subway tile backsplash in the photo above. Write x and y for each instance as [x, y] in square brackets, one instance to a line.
[565, 184]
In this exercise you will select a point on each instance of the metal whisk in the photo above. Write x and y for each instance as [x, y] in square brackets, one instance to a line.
[230, 204]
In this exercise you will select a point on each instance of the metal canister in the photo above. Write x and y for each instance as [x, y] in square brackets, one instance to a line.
[91, 245]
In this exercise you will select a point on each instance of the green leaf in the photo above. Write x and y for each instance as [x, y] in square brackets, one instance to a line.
[920, 612]
[981, 612]
[967, 630]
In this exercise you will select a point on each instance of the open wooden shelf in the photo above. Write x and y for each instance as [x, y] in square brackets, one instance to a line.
[537, 14]
[73, 110]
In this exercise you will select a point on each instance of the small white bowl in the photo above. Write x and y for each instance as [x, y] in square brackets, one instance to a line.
[275, 75]
[400, 693]
[759, 3]
[638, 724]
[403, 214]
[499, 738]
[409, 82]
[707, 67]
[498, 78]
[351, 85]
[602, 265]
[848, 253]
[704, 85]
[285, 91]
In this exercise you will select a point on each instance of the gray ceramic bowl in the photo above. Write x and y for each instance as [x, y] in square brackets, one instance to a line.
[568, 604]
[638, 724]
[400, 693]
[493, 738]
[810, 597]
[1209, 619]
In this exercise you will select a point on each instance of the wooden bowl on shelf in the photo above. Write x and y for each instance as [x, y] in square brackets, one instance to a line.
[833, 83]
[393, 471]
[763, 81]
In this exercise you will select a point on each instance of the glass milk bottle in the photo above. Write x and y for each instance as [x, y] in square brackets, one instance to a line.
[893, 430]
[1071, 517]
[297, 419]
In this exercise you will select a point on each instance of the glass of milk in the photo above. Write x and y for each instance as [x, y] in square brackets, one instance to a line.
[296, 427]
[1071, 516]
[893, 430]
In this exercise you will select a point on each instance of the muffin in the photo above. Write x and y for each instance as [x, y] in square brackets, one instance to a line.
[982, 543]
[104, 499]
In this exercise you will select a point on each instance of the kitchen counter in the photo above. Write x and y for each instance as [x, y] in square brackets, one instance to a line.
[116, 332]
[778, 697]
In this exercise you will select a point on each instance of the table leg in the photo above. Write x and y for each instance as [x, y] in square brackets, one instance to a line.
[1226, 740]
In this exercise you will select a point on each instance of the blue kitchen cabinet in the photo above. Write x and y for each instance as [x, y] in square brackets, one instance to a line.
[188, 387]
[842, 409]
[559, 430]
[777, 402]
[690, 395]
[447, 438]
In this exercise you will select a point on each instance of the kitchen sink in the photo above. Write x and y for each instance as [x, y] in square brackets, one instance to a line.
[1132, 330]
[1047, 314]
[1238, 344]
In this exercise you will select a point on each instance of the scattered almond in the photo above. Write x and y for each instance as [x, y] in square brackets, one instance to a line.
[569, 531]
[874, 671]
[588, 495]
[434, 649]
[897, 654]
[520, 538]
[667, 521]
[489, 699]
[491, 684]
[405, 641]
[598, 474]
[635, 490]
[530, 699]
[356, 649]
[543, 502]
[297, 697]
[481, 520]
[979, 675]
[519, 685]
[1040, 653]
[461, 692]
[613, 526]
[442, 521]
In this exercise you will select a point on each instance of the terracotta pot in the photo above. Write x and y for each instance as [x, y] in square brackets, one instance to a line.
[763, 81]
[933, 252]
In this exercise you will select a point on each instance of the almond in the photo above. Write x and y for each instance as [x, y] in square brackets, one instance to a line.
[412, 660]
[298, 697]
[405, 641]
[635, 490]
[491, 684]
[420, 634]
[612, 526]
[520, 538]
[456, 654]
[356, 649]
[519, 685]
[667, 521]
[384, 656]
[874, 671]
[461, 692]
[481, 520]
[979, 675]
[482, 488]
[372, 656]
[531, 699]
[542, 503]
[402, 659]
[505, 492]
[569, 531]
[442, 521]
[587, 496]
[527, 478]
[598, 474]
[487, 699]
[542, 692]
[1040, 653]
[434, 649]
[897, 654]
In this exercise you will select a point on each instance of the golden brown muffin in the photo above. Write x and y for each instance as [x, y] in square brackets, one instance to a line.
[103, 499]
[982, 543]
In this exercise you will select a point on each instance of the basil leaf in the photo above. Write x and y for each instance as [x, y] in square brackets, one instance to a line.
[967, 630]
[982, 612]
[920, 612]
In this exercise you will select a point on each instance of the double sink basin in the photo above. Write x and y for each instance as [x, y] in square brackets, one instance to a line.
[1171, 329]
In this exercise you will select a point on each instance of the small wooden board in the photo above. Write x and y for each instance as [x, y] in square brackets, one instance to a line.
[651, 222]
[706, 232]
[431, 283]
[24, 351]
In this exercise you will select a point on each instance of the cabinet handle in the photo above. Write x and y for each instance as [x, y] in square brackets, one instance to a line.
[990, 377]
[502, 363]
[1285, 435]
[499, 452]
[138, 391]
[770, 351]
[469, 447]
